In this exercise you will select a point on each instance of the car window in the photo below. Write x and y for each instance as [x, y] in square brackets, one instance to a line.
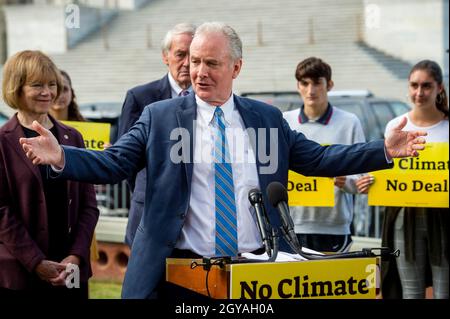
[351, 107]
[369, 124]
[269, 95]
[282, 104]
[383, 113]
[399, 108]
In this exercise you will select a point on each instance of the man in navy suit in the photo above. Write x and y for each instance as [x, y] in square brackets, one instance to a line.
[175, 54]
[181, 205]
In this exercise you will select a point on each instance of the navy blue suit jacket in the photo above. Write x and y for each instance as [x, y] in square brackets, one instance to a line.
[136, 99]
[148, 145]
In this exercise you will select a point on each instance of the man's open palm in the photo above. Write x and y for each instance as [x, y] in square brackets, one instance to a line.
[43, 149]
[403, 143]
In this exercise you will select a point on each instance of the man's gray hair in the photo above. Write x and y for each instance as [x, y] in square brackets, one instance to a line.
[181, 28]
[220, 27]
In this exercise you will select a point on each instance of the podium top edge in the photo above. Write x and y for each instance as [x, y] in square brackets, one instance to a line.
[182, 261]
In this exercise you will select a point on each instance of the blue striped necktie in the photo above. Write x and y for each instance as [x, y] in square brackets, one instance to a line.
[226, 226]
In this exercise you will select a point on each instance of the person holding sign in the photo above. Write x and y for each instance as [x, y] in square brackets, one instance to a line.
[46, 225]
[421, 234]
[324, 228]
[190, 195]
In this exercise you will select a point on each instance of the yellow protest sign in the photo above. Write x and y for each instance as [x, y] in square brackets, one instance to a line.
[350, 278]
[421, 181]
[95, 135]
[310, 191]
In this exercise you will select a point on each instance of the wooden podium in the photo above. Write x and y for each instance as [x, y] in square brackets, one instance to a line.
[352, 278]
[180, 271]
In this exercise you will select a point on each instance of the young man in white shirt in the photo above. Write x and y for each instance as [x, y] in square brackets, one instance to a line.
[324, 228]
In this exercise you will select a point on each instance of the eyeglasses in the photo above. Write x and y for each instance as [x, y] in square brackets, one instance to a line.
[39, 87]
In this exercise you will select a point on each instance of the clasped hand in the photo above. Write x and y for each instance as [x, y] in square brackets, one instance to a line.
[55, 272]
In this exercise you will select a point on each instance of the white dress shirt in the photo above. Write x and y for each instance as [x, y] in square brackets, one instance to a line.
[198, 232]
[175, 89]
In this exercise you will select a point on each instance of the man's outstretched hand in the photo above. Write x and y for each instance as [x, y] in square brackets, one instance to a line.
[43, 149]
[400, 143]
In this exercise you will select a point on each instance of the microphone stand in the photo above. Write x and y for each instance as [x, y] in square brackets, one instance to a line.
[274, 245]
[364, 253]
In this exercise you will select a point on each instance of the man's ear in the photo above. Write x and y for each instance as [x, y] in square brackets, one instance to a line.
[237, 68]
[165, 58]
[330, 85]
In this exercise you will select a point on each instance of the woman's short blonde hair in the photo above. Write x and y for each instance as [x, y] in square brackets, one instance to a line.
[27, 67]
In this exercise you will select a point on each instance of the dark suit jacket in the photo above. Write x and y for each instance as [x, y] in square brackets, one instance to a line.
[23, 213]
[136, 99]
[148, 144]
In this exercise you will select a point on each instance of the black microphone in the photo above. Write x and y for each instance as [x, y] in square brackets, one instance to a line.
[278, 197]
[256, 199]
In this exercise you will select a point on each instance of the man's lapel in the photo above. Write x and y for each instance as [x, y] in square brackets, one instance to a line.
[164, 88]
[186, 115]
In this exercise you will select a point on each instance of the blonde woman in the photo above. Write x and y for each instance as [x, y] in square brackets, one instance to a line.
[45, 224]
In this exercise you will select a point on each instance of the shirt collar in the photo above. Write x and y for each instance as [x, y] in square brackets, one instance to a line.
[208, 109]
[324, 119]
[175, 87]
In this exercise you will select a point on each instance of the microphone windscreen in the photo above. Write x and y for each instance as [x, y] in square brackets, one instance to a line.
[276, 193]
[254, 196]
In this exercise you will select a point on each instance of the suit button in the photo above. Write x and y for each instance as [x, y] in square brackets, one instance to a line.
[70, 229]
[182, 215]
[170, 244]
[70, 201]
